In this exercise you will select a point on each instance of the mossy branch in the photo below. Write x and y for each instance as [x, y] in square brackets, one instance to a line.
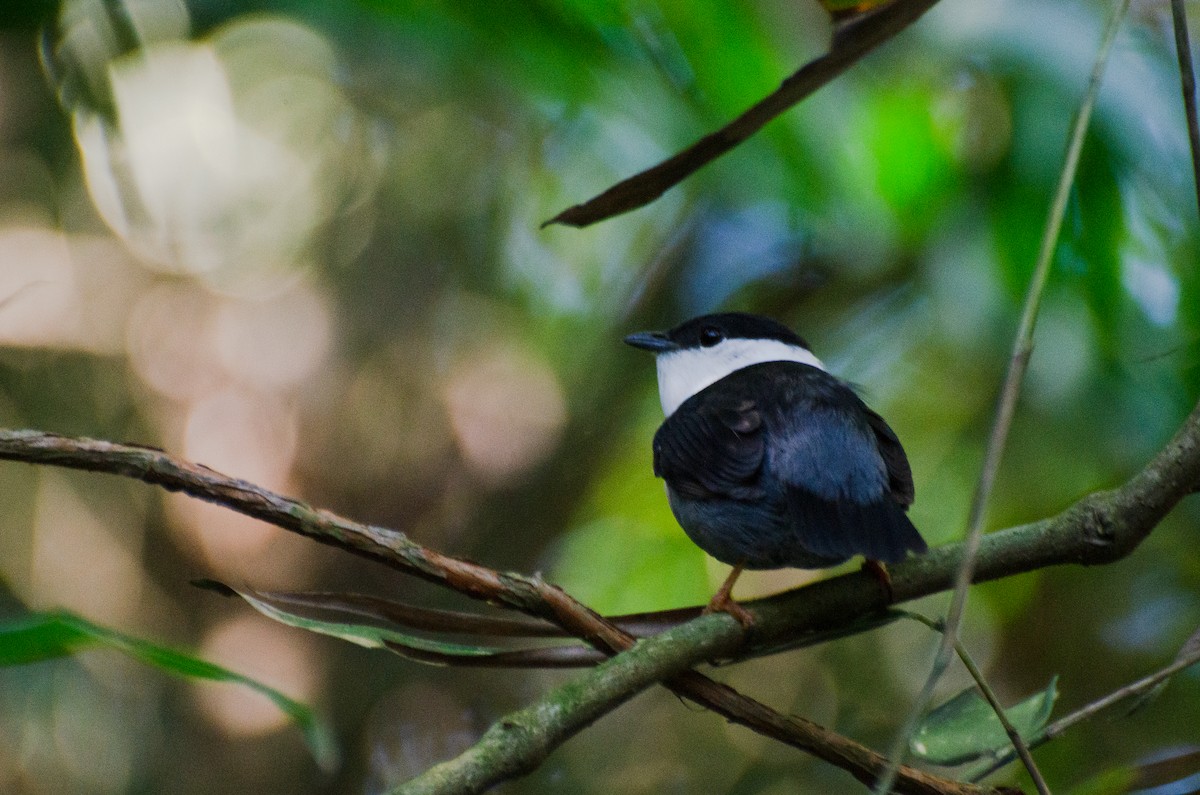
[1101, 528]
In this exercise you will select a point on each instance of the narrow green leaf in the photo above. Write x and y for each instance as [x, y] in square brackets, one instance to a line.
[46, 636]
[966, 728]
[38, 637]
[368, 635]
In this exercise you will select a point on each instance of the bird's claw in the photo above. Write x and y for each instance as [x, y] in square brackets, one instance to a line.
[723, 603]
[881, 575]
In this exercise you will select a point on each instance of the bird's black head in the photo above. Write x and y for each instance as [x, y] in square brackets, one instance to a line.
[705, 349]
[707, 331]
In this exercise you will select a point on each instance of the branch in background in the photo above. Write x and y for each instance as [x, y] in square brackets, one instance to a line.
[1006, 407]
[1187, 83]
[1052, 730]
[850, 43]
[517, 743]
[530, 595]
[985, 689]
[1101, 528]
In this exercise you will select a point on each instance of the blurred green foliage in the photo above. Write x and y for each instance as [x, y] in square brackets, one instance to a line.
[47, 636]
[306, 250]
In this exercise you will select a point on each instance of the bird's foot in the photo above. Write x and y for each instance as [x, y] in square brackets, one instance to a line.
[724, 603]
[880, 574]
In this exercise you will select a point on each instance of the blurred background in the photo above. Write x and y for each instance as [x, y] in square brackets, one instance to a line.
[299, 242]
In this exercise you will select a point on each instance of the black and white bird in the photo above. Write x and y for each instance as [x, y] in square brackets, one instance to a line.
[769, 460]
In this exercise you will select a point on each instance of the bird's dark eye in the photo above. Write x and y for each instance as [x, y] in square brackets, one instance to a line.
[710, 336]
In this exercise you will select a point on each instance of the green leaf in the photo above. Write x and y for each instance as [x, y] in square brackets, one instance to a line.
[40, 637]
[376, 623]
[368, 635]
[46, 636]
[966, 728]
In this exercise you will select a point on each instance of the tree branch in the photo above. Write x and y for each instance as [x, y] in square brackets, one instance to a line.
[1055, 729]
[519, 742]
[530, 595]
[1187, 85]
[1101, 528]
[850, 43]
[1007, 405]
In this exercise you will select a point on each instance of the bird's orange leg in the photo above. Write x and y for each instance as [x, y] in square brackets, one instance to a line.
[879, 571]
[722, 601]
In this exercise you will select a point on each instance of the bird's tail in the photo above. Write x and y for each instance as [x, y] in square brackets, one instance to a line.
[879, 530]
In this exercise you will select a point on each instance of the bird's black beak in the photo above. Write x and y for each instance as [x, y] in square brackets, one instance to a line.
[654, 341]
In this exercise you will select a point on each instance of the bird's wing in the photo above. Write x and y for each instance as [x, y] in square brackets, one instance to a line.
[900, 479]
[837, 468]
[712, 449]
[831, 453]
[847, 478]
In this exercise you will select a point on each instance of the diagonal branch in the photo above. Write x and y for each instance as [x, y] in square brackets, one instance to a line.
[1013, 379]
[1101, 528]
[530, 595]
[1017, 742]
[850, 43]
[519, 742]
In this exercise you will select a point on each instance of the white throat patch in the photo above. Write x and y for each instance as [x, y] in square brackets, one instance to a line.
[683, 373]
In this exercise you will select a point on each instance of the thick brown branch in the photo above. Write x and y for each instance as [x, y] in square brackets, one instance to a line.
[1101, 528]
[850, 44]
[530, 595]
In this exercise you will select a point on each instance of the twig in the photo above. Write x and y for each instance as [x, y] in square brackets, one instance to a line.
[1056, 728]
[850, 44]
[1018, 363]
[1014, 736]
[1018, 743]
[1187, 82]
